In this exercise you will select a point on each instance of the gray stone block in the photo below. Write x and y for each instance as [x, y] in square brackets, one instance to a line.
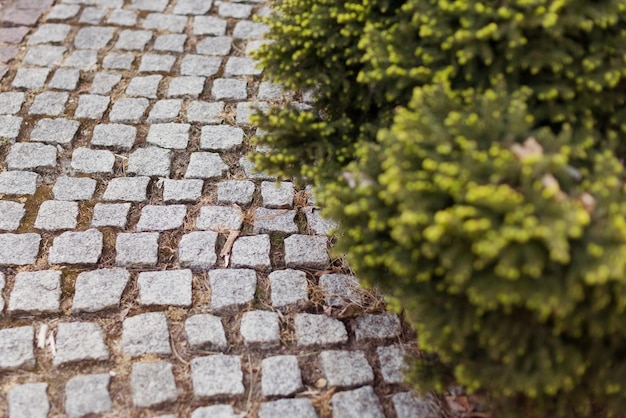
[93, 37]
[217, 375]
[340, 288]
[220, 137]
[74, 188]
[165, 111]
[293, 408]
[91, 106]
[50, 103]
[182, 190]
[11, 102]
[246, 110]
[306, 251]
[110, 214]
[18, 182]
[161, 218]
[99, 289]
[317, 223]
[63, 11]
[235, 191]
[44, 55]
[132, 189]
[150, 161]
[76, 248]
[252, 251]
[319, 330]
[209, 25]
[115, 135]
[280, 376]
[55, 215]
[10, 127]
[152, 384]
[379, 326]
[65, 79]
[56, 131]
[274, 220]
[144, 86]
[246, 29]
[28, 400]
[229, 88]
[133, 39]
[214, 45]
[215, 411]
[270, 91]
[409, 405]
[231, 288]
[19, 249]
[137, 249]
[128, 110]
[11, 214]
[345, 368]
[392, 365]
[16, 348]
[277, 195]
[169, 135]
[357, 403]
[79, 341]
[146, 333]
[103, 82]
[92, 15]
[86, 160]
[239, 66]
[156, 62]
[36, 292]
[197, 249]
[151, 5]
[192, 7]
[122, 17]
[252, 172]
[199, 65]
[30, 78]
[237, 11]
[219, 218]
[87, 394]
[163, 288]
[118, 61]
[171, 43]
[206, 332]
[205, 165]
[185, 86]
[83, 59]
[288, 287]
[260, 329]
[165, 22]
[205, 112]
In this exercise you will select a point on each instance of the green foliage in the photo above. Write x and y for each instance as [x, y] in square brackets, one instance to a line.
[472, 152]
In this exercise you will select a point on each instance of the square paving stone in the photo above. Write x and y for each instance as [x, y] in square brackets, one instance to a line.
[217, 375]
[151, 5]
[235, 191]
[37, 291]
[16, 348]
[99, 289]
[91, 106]
[29, 400]
[237, 11]
[246, 29]
[156, 62]
[357, 403]
[209, 25]
[274, 220]
[205, 165]
[252, 251]
[150, 161]
[380, 326]
[306, 251]
[11, 102]
[200, 65]
[86, 160]
[25, 155]
[251, 171]
[44, 55]
[163, 288]
[9, 127]
[104, 82]
[185, 86]
[231, 288]
[55, 215]
[205, 112]
[288, 287]
[79, 341]
[172, 43]
[205, 331]
[87, 394]
[317, 223]
[293, 408]
[165, 22]
[260, 329]
[270, 91]
[146, 333]
[229, 88]
[19, 249]
[165, 111]
[214, 45]
[74, 188]
[122, 17]
[152, 384]
[11, 214]
[319, 330]
[246, 110]
[49, 33]
[220, 137]
[161, 218]
[239, 66]
[92, 15]
[280, 376]
[133, 39]
[392, 364]
[409, 405]
[110, 214]
[340, 288]
[215, 411]
[30, 78]
[114, 135]
[56, 131]
[65, 79]
[18, 182]
[63, 11]
[144, 86]
[128, 110]
[93, 37]
[192, 7]
[133, 189]
[50, 103]
[219, 218]
[197, 249]
[76, 248]
[182, 190]
[277, 195]
[137, 249]
[83, 59]
[169, 135]
[345, 368]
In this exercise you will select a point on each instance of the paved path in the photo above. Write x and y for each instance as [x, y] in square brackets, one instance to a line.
[145, 269]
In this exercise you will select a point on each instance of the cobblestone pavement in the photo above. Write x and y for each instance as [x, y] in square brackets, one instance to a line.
[145, 269]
